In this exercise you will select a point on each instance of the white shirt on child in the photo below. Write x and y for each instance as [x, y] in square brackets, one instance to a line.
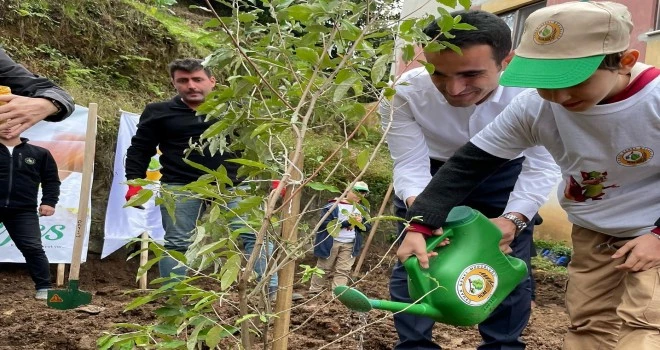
[606, 156]
[346, 234]
[10, 149]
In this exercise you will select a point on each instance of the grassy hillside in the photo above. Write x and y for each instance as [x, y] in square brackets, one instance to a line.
[115, 53]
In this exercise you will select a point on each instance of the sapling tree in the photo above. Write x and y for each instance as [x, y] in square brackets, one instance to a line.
[290, 72]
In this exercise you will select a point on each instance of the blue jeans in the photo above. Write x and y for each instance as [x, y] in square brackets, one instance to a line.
[23, 228]
[501, 330]
[261, 263]
[179, 231]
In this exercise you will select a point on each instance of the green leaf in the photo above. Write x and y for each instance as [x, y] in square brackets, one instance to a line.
[429, 66]
[300, 12]
[349, 31]
[449, 3]
[165, 329]
[333, 227]
[231, 269]
[434, 46]
[453, 47]
[388, 92]
[172, 344]
[141, 198]
[380, 68]
[260, 129]
[214, 214]
[246, 17]
[249, 163]
[216, 334]
[465, 3]
[408, 52]
[308, 55]
[464, 26]
[363, 158]
[139, 302]
[446, 23]
[244, 318]
[323, 187]
[342, 89]
[166, 311]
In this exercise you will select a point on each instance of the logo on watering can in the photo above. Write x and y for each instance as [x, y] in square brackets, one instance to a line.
[476, 284]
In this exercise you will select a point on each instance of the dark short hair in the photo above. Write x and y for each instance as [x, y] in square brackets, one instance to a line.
[491, 30]
[189, 65]
[611, 61]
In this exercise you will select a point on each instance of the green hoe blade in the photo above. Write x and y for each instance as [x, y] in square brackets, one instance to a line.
[70, 298]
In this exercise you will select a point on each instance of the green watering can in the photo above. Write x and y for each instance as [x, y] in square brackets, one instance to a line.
[464, 283]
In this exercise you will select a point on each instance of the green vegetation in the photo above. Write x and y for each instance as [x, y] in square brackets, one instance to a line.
[558, 249]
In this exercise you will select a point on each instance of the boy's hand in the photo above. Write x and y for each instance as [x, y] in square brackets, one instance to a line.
[46, 210]
[643, 253]
[415, 244]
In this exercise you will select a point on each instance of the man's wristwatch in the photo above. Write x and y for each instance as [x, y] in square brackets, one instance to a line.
[520, 225]
[55, 103]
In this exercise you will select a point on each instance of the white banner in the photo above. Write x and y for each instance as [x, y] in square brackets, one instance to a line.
[66, 142]
[123, 224]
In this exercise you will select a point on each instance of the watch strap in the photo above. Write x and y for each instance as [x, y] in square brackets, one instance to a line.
[520, 224]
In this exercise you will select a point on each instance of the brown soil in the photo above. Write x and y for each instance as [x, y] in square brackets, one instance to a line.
[321, 322]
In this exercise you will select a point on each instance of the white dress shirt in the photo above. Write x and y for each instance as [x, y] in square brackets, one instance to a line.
[420, 125]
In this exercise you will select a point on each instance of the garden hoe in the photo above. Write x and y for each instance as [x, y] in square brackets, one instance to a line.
[72, 297]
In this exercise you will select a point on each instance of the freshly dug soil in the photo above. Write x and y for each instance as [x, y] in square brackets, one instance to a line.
[26, 323]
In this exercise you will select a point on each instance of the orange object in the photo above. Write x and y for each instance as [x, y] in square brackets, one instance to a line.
[4, 90]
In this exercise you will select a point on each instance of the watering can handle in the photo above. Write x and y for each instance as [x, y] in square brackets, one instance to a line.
[433, 242]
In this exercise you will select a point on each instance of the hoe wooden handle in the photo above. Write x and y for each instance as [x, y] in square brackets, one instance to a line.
[85, 189]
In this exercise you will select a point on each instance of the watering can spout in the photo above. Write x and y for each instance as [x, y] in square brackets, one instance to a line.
[355, 300]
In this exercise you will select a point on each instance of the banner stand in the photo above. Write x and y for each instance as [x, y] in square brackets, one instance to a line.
[59, 281]
[144, 257]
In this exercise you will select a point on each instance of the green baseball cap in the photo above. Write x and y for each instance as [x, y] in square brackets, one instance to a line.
[563, 45]
[361, 186]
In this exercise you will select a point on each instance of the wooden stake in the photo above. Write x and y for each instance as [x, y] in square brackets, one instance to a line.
[386, 200]
[59, 281]
[144, 257]
[286, 274]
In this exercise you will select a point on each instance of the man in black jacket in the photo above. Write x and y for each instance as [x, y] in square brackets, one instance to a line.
[33, 98]
[172, 126]
[23, 167]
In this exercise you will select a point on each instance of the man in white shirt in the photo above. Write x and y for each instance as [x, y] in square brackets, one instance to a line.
[428, 119]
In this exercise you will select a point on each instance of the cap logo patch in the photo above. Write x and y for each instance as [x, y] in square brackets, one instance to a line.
[548, 32]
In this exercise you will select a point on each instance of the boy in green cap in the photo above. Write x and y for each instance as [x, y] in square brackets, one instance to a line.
[597, 111]
[339, 240]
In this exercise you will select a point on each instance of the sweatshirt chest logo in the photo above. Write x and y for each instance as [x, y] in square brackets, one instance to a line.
[634, 156]
[30, 161]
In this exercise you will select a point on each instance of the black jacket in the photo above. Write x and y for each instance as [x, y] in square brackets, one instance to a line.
[171, 126]
[24, 83]
[22, 172]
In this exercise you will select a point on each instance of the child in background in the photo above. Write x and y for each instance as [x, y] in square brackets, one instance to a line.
[23, 167]
[337, 254]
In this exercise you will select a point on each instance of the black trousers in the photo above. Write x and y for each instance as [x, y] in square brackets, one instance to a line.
[23, 228]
